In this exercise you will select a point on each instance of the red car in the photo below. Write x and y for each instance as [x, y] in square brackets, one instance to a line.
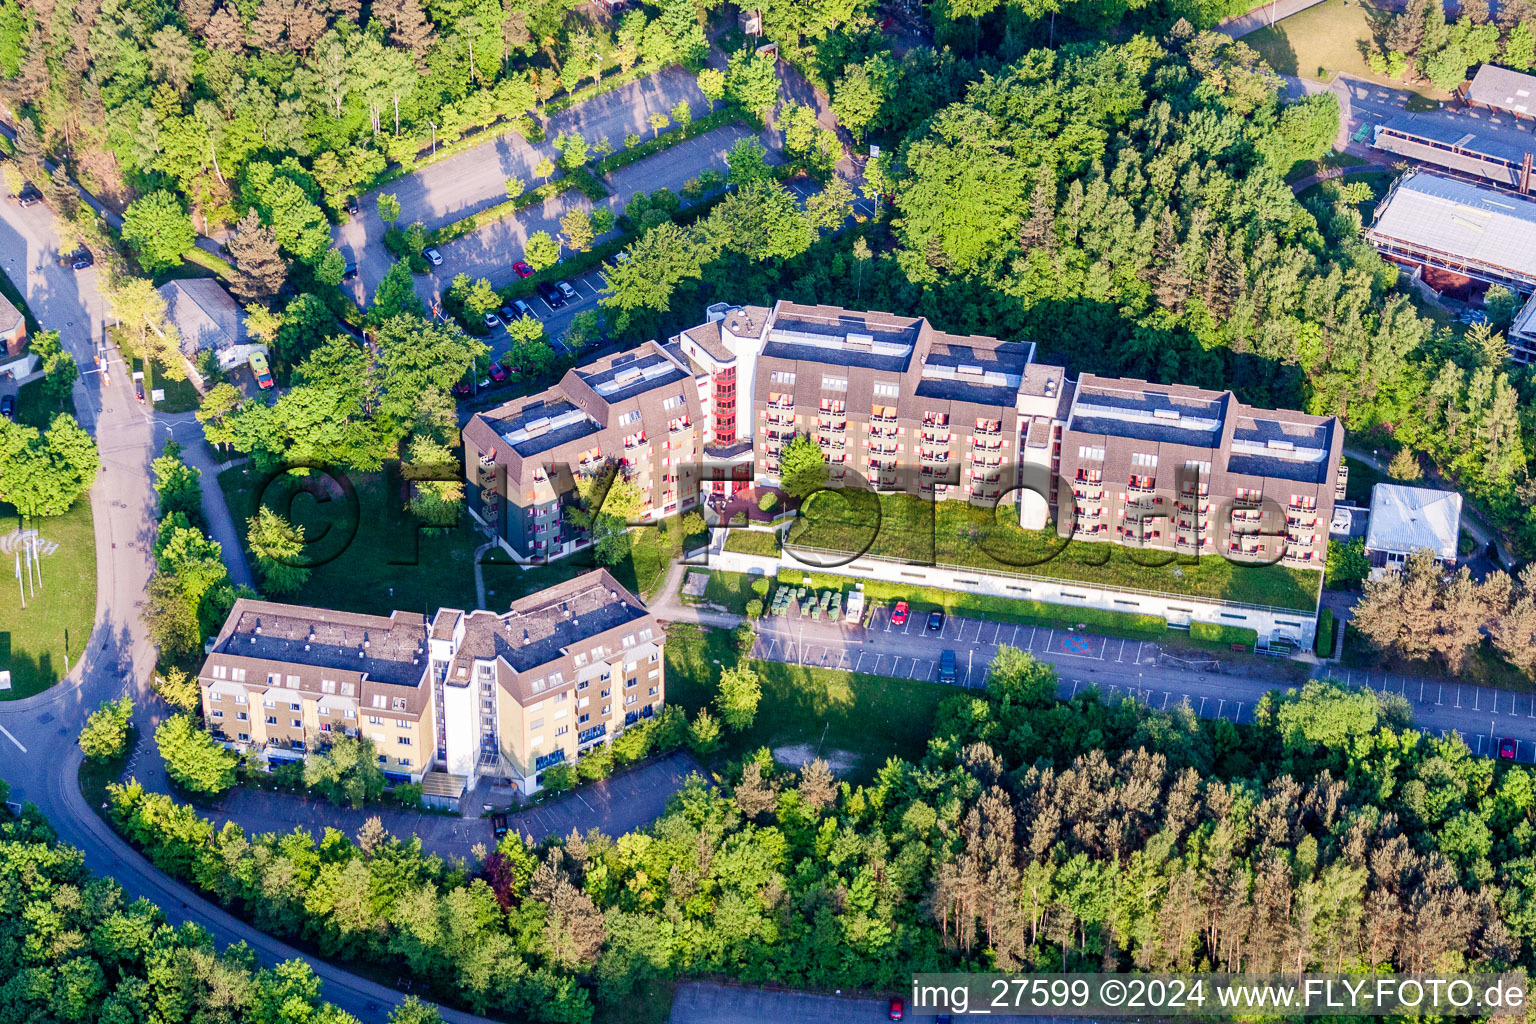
[899, 616]
[461, 389]
[897, 1006]
[522, 269]
[1507, 749]
[498, 373]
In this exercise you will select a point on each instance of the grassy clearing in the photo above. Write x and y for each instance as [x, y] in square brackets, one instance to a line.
[907, 528]
[39, 643]
[35, 409]
[180, 395]
[863, 718]
[367, 554]
[1330, 160]
[372, 556]
[95, 776]
[1329, 191]
[1361, 479]
[1332, 37]
[753, 542]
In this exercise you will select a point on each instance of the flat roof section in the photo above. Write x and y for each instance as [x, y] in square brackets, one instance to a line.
[1456, 218]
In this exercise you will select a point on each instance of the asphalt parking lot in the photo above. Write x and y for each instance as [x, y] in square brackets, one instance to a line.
[614, 806]
[556, 320]
[912, 650]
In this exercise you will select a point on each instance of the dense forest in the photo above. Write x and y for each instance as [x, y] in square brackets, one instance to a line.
[76, 949]
[1127, 208]
[1031, 834]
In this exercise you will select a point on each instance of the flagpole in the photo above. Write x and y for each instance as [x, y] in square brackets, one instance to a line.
[28, 546]
[20, 585]
[37, 557]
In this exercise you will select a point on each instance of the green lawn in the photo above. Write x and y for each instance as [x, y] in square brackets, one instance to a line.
[860, 720]
[1361, 479]
[1333, 36]
[35, 409]
[375, 558]
[1331, 159]
[180, 395]
[905, 527]
[753, 542]
[38, 643]
[1378, 180]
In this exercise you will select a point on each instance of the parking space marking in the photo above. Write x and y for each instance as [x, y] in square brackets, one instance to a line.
[13, 739]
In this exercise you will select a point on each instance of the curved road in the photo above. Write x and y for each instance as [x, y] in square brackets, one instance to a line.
[38, 753]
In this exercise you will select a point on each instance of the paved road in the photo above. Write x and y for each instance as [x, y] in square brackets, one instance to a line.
[1215, 686]
[38, 753]
[702, 1003]
[614, 806]
[589, 286]
[1240, 25]
[476, 179]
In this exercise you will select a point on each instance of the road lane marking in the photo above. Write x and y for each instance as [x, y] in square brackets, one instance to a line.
[13, 739]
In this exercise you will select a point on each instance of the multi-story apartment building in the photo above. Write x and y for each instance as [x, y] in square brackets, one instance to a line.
[1197, 472]
[640, 410]
[910, 408]
[558, 674]
[283, 680]
[469, 694]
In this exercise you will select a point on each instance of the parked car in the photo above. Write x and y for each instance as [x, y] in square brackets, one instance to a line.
[1507, 749]
[498, 373]
[898, 1008]
[499, 825]
[523, 309]
[461, 390]
[29, 195]
[8, 407]
[260, 371]
[138, 391]
[936, 622]
[551, 294]
[350, 272]
[522, 269]
[899, 614]
[622, 256]
[508, 314]
[492, 321]
[81, 258]
[947, 667]
[354, 206]
[570, 293]
[432, 256]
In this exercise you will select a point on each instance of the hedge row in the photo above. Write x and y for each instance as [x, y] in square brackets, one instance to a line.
[666, 140]
[1326, 627]
[203, 258]
[1210, 634]
[584, 179]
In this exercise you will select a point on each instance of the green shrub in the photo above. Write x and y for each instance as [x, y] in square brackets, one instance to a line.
[1211, 634]
[596, 765]
[1326, 626]
[558, 778]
